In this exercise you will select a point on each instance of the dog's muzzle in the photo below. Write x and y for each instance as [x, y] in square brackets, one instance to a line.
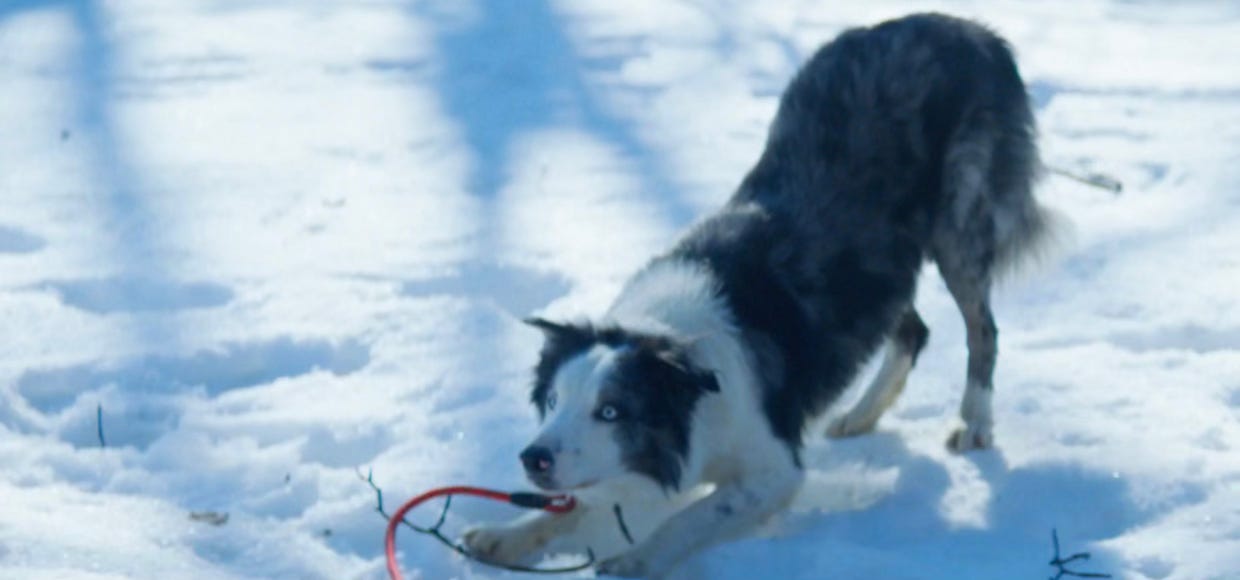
[537, 460]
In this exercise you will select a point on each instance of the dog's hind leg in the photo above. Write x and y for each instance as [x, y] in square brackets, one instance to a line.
[966, 248]
[971, 293]
[903, 345]
[989, 222]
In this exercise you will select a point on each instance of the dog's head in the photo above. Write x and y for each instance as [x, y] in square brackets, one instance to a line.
[612, 402]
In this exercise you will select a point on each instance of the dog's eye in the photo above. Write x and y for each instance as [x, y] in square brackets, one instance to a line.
[551, 401]
[607, 413]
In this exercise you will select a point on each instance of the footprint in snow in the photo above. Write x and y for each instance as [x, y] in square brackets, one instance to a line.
[16, 241]
[108, 295]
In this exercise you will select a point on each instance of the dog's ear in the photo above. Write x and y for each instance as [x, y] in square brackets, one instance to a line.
[556, 331]
[562, 342]
[562, 337]
[545, 325]
[677, 358]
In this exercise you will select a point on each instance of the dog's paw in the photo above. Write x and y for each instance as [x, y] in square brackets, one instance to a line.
[497, 545]
[969, 438]
[850, 426]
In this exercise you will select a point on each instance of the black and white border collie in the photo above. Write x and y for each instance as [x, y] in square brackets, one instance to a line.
[685, 405]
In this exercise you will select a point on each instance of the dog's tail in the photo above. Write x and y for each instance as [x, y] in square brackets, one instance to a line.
[1031, 237]
[1027, 233]
[1038, 233]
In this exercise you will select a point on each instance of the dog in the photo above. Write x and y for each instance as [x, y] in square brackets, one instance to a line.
[677, 417]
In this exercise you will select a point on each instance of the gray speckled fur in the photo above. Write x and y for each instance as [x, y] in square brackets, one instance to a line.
[907, 141]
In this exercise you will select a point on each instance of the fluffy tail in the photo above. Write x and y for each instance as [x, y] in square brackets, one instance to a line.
[1035, 235]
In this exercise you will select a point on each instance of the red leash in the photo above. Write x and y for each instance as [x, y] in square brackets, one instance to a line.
[558, 504]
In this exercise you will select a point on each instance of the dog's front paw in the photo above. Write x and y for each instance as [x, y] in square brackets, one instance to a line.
[497, 544]
[630, 565]
[968, 438]
[850, 426]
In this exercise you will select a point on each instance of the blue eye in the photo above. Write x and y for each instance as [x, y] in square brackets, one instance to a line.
[607, 413]
[551, 401]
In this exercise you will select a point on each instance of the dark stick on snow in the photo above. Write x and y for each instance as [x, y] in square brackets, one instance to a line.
[99, 425]
[1061, 563]
[1098, 180]
[433, 530]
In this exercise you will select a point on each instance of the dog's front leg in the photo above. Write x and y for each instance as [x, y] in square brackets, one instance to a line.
[605, 522]
[732, 510]
[518, 541]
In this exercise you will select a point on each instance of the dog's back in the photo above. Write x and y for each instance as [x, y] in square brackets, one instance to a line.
[909, 140]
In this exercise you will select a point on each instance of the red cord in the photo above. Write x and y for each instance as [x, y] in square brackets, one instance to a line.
[556, 504]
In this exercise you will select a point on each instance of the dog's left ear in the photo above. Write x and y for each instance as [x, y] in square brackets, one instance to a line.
[560, 333]
[677, 357]
[545, 325]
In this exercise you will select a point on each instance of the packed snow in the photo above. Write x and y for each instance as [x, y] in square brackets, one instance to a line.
[250, 249]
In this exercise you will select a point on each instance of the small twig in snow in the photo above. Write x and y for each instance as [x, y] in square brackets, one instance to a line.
[1098, 180]
[369, 478]
[1061, 563]
[213, 518]
[99, 425]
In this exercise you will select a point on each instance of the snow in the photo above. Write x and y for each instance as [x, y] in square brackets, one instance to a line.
[273, 243]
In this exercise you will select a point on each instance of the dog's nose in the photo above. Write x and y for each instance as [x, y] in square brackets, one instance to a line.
[537, 459]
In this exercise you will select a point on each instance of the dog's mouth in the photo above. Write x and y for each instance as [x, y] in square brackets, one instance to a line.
[581, 486]
[543, 482]
[548, 483]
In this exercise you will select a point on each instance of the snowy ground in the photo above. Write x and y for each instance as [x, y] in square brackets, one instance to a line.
[274, 241]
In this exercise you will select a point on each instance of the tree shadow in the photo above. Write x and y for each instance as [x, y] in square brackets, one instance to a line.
[131, 237]
[128, 238]
[512, 70]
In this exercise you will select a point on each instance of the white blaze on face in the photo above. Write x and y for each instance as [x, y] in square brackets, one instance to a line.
[583, 446]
